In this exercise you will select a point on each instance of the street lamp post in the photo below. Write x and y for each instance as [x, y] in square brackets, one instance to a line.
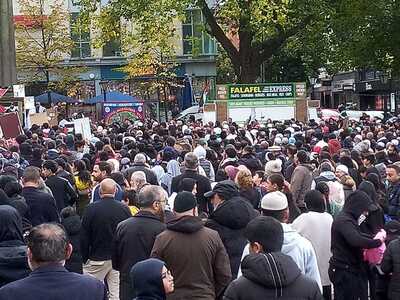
[104, 87]
[384, 78]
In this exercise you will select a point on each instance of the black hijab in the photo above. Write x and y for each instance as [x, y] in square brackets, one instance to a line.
[10, 224]
[146, 279]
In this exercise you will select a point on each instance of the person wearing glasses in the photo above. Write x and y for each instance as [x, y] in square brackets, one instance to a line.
[134, 237]
[152, 280]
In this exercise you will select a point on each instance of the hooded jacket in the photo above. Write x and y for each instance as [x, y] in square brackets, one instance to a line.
[300, 250]
[229, 220]
[320, 239]
[334, 146]
[73, 226]
[347, 239]
[271, 276]
[201, 268]
[375, 220]
[13, 259]
[147, 281]
[324, 177]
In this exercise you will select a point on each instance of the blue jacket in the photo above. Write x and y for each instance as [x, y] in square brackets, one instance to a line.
[393, 195]
[54, 282]
[119, 195]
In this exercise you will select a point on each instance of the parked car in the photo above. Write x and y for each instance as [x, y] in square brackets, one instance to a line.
[194, 110]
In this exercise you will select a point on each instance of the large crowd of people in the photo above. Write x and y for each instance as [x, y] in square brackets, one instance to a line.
[185, 210]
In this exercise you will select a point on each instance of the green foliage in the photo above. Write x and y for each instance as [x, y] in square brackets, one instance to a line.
[291, 38]
[365, 34]
[43, 41]
[250, 32]
[225, 71]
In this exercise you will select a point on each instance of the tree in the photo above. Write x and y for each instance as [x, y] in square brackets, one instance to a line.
[365, 34]
[43, 41]
[250, 31]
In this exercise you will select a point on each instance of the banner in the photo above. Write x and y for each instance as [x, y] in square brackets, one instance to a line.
[3, 91]
[261, 91]
[39, 118]
[10, 125]
[29, 103]
[19, 90]
[82, 126]
[118, 112]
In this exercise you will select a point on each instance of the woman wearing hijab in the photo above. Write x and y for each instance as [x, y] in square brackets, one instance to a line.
[151, 280]
[372, 225]
[380, 190]
[13, 259]
[375, 220]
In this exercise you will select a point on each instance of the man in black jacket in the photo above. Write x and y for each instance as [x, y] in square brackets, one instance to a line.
[62, 190]
[393, 194]
[139, 164]
[99, 224]
[203, 183]
[230, 217]
[42, 206]
[135, 236]
[267, 272]
[346, 269]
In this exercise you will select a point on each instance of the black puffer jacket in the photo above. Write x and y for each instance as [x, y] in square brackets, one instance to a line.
[391, 264]
[13, 262]
[272, 276]
[375, 220]
[229, 220]
[13, 258]
[73, 225]
[347, 238]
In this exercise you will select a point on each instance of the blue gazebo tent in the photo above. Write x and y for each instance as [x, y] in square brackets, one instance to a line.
[113, 96]
[54, 98]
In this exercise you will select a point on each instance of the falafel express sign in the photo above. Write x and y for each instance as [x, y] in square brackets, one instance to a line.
[261, 91]
[265, 94]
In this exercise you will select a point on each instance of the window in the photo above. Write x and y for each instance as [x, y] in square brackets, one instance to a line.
[112, 48]
[81, 38]
[195, 39]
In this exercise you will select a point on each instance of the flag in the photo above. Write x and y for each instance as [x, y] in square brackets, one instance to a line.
[3, 92]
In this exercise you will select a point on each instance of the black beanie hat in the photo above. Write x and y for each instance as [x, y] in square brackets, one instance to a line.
[315, 201]
[266, 231]
[184, 201]
[357, 203]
